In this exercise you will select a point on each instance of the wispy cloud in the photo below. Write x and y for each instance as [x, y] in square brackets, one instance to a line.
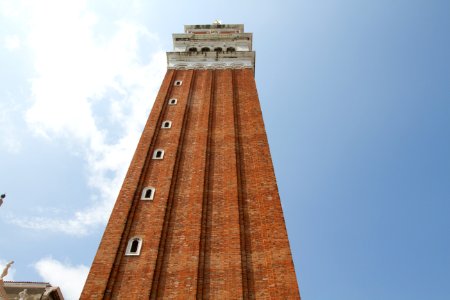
[88, 82]
[69, 278]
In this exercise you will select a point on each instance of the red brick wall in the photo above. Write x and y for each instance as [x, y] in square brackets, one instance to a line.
[215, 228]
[271, 261]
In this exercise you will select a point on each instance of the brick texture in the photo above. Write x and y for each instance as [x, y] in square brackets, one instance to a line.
[215, 228]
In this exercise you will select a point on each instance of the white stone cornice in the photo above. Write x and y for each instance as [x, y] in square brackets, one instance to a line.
[211, 60]
[208, 66]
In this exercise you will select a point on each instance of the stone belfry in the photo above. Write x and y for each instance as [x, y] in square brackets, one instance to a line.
[199, 215]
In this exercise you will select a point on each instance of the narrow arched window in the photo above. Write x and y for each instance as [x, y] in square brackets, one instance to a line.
[172, 101]
[134, 246]
[218, 49]
[158, 154]
[148, 193]
[166, 124]
[178, 82]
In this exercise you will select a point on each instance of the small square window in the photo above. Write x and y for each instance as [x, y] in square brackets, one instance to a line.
[173, 101]
[178, 83]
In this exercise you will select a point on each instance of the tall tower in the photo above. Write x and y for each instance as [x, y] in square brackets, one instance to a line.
[199, 215]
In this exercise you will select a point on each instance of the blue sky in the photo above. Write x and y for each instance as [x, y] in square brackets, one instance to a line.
[356, 102]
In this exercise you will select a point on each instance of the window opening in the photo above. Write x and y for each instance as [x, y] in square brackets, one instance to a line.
[173, 101]
[158, 154]
[148, 193]
[167, 124]
[178, 82]
[134, 246]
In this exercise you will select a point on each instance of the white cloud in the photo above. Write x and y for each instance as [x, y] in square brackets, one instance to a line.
[12, 42]
[11, 270]
[79, 68]
[9, 137]
[70, 279]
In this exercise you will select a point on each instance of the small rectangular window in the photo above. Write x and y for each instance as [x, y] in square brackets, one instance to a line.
[158, 154]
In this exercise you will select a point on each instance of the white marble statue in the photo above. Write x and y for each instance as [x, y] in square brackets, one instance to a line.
[3, 295]
[23, 295]
[5, 270]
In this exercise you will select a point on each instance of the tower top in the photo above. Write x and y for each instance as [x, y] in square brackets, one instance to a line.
[215, 27]
[212, 46]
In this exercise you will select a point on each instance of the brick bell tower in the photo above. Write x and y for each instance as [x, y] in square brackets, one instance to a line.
[199, 215]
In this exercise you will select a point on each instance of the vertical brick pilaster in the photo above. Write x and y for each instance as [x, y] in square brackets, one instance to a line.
[225, 270]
